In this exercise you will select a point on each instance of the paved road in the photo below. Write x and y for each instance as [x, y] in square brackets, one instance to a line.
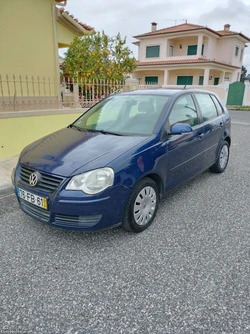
[188, 273]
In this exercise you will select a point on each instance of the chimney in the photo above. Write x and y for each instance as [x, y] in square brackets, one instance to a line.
[153, 26]
[227, 27]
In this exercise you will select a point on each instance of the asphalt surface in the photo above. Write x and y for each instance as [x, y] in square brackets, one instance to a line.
[188, 273]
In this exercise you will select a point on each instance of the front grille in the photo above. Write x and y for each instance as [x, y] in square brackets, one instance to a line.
[77, 221]
[35, 211]
[48, 182]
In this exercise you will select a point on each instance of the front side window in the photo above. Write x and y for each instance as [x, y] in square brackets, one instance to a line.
[123, 115]
[207, 106]
[183, 111]
[153, 51]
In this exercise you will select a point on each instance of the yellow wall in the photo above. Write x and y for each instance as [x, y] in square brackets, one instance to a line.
[64, 36]
[16, 133]
[27, 38]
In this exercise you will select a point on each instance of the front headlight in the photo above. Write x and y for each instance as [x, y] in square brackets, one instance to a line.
[92, 182]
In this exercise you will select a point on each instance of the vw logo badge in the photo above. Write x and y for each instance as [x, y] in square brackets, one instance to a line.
[33, 179]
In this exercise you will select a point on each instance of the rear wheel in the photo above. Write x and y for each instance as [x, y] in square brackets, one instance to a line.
[222, 160]
[141, 207]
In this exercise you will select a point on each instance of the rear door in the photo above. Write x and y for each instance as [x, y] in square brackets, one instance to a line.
[184, 151]
[213, 126]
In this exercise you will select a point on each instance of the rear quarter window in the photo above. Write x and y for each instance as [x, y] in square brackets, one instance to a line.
[218, 105]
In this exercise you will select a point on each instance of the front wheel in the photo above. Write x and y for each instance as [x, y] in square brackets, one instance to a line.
[141, 207]
[222, 160]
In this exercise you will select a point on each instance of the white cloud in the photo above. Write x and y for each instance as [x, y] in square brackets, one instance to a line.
[130, 17]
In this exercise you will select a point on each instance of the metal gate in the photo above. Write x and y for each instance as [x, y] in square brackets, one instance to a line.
[235, 94]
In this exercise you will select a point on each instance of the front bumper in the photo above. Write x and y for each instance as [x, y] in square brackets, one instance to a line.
[74, 209]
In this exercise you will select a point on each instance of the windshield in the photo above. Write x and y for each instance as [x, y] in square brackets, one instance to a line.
[124, 115]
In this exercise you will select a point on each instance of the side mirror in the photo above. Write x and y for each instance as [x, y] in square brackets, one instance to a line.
[180, 128]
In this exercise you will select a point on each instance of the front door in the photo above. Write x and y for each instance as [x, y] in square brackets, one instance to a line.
[184, 151]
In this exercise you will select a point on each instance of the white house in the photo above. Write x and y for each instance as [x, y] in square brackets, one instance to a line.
[189, 54]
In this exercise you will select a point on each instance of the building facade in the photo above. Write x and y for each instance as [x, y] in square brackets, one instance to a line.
[189, 54]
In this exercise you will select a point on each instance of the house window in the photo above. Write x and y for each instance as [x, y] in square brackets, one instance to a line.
[151, 80]
[171, 51]
[241, 54]
[216, 81]
[153, 51]
[184, 80]
[201, 80]
[236, 51]
[192, 50]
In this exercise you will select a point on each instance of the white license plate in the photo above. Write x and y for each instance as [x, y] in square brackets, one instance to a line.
[32, 198]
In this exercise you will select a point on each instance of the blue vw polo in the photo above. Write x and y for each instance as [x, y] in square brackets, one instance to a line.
[116, 161]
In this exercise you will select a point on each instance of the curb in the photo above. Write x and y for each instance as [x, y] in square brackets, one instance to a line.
[6, 190]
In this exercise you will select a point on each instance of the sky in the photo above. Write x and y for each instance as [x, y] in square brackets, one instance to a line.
[134, 17]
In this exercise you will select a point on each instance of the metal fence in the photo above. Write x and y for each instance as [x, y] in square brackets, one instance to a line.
[19, 93]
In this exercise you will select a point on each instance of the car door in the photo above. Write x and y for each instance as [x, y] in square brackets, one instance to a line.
[213, 127]
[184, 151]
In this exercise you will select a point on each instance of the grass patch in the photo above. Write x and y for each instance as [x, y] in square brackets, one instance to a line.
[241, 108]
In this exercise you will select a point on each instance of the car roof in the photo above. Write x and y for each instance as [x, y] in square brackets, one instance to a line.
[164, 91]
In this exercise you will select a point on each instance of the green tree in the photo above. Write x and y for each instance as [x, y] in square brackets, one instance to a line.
[98, 56]
[243, 74]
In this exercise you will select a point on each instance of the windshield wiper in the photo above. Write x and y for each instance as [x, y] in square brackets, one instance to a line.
[76, 127]
[109, 133]
[104, 132]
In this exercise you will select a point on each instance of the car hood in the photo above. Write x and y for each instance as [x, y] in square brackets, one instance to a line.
[66, 151]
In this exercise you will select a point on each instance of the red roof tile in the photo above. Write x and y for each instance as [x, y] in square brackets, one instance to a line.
[230, 33]
[174, 29]
[83, 25]
[185, 27]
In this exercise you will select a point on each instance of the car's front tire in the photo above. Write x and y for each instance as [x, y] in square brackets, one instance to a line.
[222, 160]
[141, 206]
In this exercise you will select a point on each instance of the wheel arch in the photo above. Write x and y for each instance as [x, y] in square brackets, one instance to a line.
[158, 180]
[228, 140]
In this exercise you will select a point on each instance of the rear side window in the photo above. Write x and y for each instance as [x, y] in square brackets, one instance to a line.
[207, 106]
[218, 106]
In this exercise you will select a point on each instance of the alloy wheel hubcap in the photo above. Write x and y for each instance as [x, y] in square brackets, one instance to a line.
[144, 206]
[223, 156]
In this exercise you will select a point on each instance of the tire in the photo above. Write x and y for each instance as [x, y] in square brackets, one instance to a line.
[222, 160]
[141, 206]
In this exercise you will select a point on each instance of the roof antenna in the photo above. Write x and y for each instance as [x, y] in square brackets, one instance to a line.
[175, 20]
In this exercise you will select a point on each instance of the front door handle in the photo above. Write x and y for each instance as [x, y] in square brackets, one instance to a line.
[200, 136]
